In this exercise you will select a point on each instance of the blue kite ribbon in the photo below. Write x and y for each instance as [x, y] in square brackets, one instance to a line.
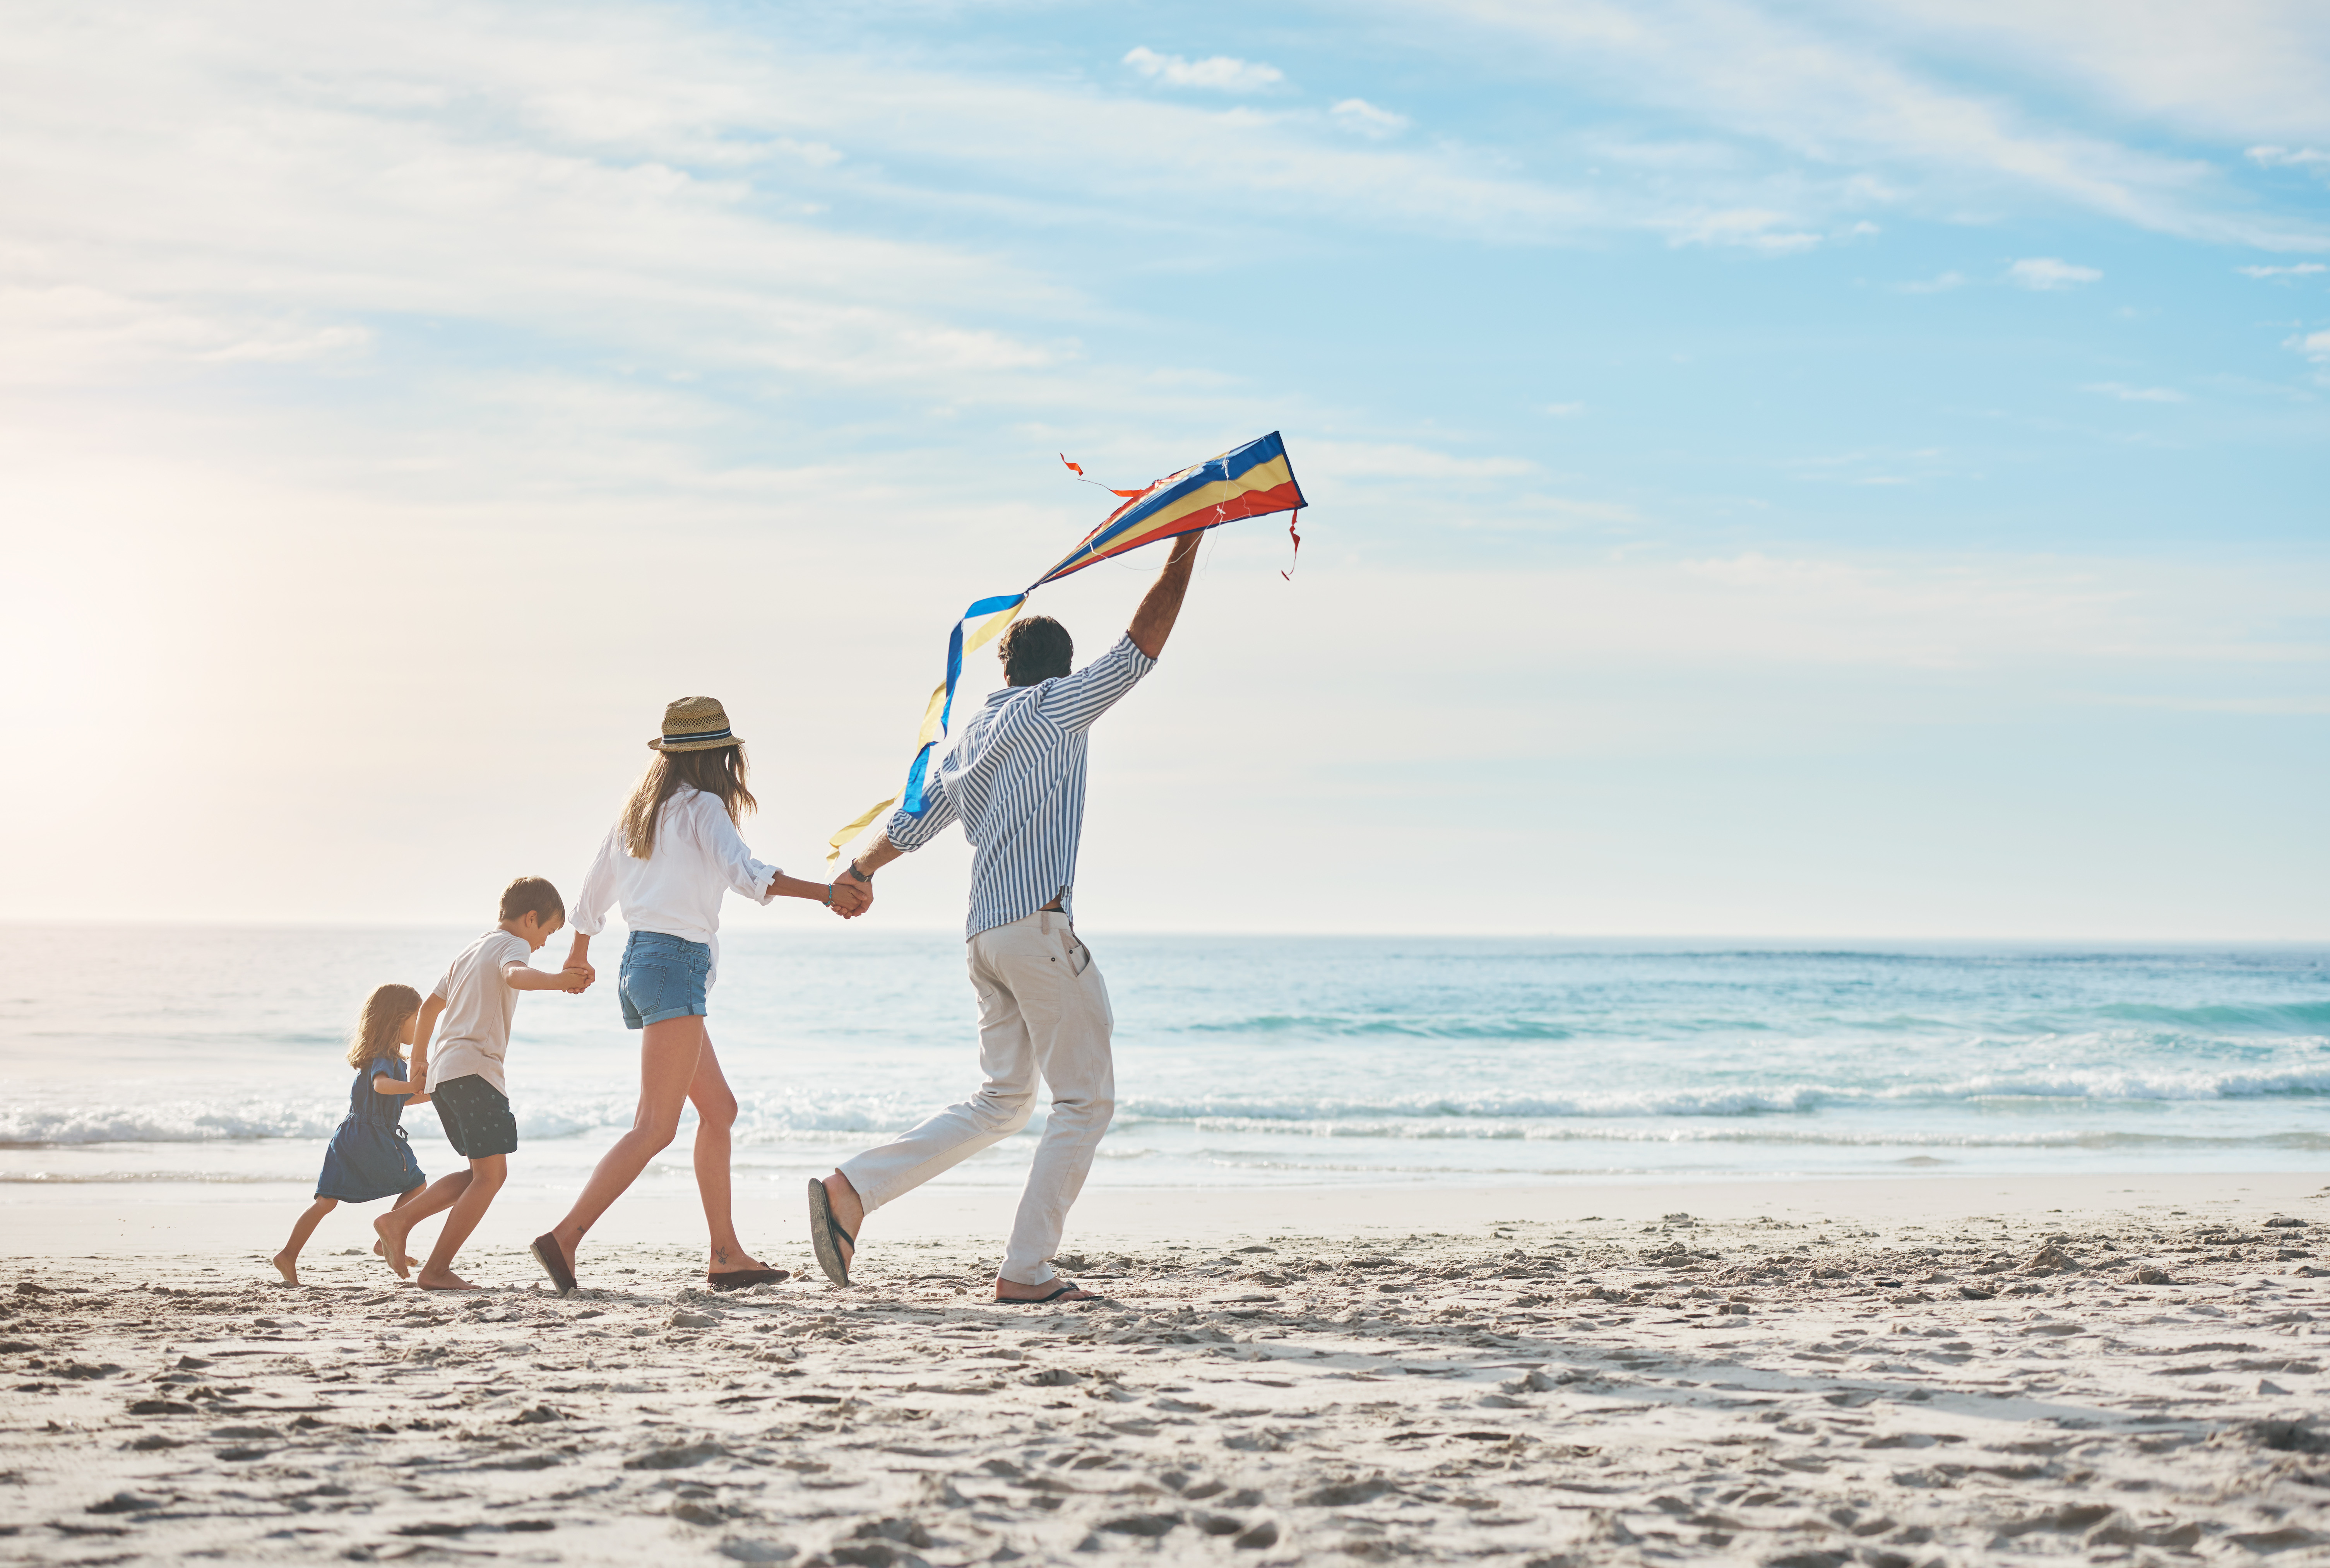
[918, 775]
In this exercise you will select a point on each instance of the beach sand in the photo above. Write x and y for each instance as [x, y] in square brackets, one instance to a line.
[1804, 1374]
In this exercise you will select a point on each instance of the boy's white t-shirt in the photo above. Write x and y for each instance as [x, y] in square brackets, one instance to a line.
[473, 1035]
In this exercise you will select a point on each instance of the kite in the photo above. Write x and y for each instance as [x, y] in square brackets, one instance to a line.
[1249, 481]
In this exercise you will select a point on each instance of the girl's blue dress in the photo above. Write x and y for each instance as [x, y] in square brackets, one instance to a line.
[368, 1157]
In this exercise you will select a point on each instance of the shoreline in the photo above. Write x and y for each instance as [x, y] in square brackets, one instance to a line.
[94, 1220]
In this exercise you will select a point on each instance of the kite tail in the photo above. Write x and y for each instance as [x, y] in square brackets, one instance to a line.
[841, 838]
[936, 713]
[1296, 558]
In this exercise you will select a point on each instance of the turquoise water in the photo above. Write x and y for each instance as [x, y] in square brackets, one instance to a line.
[147, 1056]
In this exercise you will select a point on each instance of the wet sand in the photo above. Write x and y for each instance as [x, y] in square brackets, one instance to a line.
[1891, 1378]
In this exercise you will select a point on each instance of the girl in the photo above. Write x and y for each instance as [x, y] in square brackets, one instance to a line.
[668, 860]
[368, 1157]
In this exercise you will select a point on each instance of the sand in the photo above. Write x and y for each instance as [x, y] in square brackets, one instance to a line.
[1805, 1375]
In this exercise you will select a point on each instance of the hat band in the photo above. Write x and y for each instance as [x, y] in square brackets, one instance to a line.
[720, 735]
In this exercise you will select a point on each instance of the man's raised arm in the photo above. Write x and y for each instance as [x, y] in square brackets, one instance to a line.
[1152, 623]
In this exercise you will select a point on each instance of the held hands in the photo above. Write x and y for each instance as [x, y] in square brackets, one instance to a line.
[851, 898]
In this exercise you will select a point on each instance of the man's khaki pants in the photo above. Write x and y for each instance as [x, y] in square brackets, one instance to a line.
[1043, 1011]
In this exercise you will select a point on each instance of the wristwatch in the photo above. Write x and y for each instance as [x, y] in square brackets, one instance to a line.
[859, 874]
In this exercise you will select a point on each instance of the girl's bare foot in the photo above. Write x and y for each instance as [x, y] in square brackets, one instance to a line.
[443, 1280]
[391, 1245]
[287, 1265]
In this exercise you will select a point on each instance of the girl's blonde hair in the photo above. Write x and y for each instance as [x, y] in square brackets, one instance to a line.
[379, 1024]
[717, 772]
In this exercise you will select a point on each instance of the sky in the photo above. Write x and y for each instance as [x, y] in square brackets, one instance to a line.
[1777, 469]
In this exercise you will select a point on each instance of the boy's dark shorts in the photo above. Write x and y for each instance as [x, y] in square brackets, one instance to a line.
[476, 1117]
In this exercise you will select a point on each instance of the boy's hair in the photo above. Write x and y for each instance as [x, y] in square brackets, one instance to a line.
[719, 771]
[379, 1024]
[1035, 649]
[535, 895]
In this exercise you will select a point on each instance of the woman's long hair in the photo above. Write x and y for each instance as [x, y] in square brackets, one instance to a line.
[379, 1024]
[719, 772]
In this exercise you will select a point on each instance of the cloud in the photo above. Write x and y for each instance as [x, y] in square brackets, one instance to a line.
[1218, 71]
[2300, 270]
[2313, 345]
[2290, 158]
[1835, 98]
[1941, 285]
[2135, 394]
[1562, 410]
[1745, 227]
[2231, 70]
[1358, 114]
[1950, 613]
[2045, 272]
[634, 187]
[64, 333]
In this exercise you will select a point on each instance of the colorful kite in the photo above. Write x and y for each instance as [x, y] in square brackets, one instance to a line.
[1249, 481]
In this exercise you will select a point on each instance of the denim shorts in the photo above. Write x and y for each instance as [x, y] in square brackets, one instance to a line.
[662, 977]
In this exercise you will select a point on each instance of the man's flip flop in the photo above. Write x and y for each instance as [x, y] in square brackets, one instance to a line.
[1067, 1287]
[744, 1279]
[552, 1257]
[825, 1231]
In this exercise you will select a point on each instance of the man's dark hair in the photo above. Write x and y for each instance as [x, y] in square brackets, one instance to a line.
[1035, 649]
[533, 893]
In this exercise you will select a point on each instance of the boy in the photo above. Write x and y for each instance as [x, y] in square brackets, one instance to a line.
[476, 997]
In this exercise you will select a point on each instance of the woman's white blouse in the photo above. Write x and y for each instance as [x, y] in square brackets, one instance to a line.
[699, 856]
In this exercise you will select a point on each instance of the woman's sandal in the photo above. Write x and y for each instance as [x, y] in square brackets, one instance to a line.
[824, 1231]
[743, 1278]
[552, 1257]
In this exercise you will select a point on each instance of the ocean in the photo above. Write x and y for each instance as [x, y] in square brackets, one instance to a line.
[180, 1062]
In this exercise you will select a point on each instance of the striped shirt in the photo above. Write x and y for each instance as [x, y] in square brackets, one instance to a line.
[1016, 783]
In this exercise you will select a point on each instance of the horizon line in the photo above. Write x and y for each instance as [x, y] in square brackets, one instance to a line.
[1802, 940]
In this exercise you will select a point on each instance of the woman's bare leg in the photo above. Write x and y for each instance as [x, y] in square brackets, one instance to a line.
[669, 1052]
[287, 1261]
[715, 1106]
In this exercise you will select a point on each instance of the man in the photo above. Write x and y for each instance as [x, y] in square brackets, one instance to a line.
[1016, 783]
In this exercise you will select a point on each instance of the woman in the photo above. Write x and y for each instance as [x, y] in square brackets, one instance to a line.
[668, 860]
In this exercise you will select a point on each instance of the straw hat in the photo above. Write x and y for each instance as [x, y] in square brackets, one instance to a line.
[694, 724]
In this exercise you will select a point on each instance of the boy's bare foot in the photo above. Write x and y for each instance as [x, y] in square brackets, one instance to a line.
[287, 1265]
[443, 1280]
[380, 1251]
[391, 1245]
